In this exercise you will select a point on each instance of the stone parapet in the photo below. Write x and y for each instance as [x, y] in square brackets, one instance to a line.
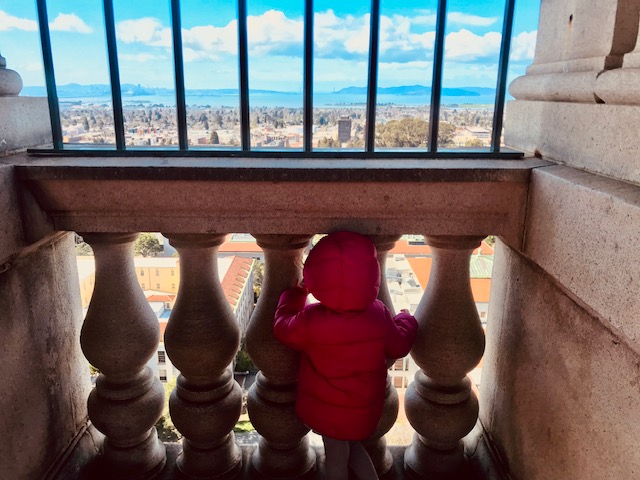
[24, 123]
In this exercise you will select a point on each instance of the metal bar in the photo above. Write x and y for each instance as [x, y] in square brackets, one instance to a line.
[503, 67]
[49, 75]
[308, 76]
[114, 74]
[436, 82]
[178, 65]
[372, 85]
[504, 154]
[243, 57]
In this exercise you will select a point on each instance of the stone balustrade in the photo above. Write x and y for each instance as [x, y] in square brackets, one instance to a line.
[454, 204]
[121, 333]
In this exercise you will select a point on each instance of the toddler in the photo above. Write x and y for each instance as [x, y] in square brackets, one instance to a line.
[344, 342]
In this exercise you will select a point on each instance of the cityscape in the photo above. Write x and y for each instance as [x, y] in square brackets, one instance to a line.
[341, 126]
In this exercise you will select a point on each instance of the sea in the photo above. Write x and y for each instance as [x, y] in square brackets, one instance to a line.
[320, 100]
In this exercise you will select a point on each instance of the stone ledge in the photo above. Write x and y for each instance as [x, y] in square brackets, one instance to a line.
[273, 169]
[283, 196]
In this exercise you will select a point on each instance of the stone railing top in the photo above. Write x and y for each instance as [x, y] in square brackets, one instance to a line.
[266, 169]
[375, 197]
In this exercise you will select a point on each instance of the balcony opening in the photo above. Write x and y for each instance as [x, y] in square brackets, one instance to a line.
[299, 81]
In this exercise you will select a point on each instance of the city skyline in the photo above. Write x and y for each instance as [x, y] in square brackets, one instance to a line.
[209, 32]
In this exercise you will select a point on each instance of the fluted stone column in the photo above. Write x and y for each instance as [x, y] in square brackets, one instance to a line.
[120, 334]
[440, 404]
[283, 451]
[201, 339]
[377, 445]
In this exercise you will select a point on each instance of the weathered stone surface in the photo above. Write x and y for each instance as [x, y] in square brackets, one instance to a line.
[582, 35]
[11, 234]
[620, 86]
[24, 122]
[584, 230]
[556, 87]
[559, 389]
[10, 82]
[45, 376]
[599, 138]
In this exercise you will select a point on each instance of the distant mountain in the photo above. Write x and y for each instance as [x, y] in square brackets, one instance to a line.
[75, 90]
[421, 90]
[100, 90]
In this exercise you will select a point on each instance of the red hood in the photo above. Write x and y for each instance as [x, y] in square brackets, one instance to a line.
[342, 271]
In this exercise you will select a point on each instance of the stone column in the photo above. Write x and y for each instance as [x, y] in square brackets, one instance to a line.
[440, 404]
[201, 339]
[377, 445]
[120, 334]
[283, 451]
[576, 42]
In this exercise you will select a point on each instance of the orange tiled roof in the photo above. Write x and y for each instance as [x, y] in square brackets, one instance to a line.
[235, 278]
[239, 247]
[402, 246]
[161, 298]
[421, 266]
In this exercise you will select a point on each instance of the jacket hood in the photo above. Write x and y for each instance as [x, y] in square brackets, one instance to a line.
[342, 271]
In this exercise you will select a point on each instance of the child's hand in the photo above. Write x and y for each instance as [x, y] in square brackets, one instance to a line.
[404, 310]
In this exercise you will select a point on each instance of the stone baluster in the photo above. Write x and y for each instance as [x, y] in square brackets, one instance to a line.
[120, 334]
[440, 404]
[201, 339]
[377, 445]
[283, 451]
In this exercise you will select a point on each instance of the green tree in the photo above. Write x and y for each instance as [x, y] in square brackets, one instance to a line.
[328, 142]
[446, 132]
[167, 431]
[474, 142]
[147, 245]
[408, 132]
[213, 138]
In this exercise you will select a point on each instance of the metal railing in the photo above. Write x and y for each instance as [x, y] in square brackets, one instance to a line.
[245, 150]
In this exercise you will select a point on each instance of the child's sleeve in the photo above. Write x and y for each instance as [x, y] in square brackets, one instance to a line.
[289, 326]
[403, 331]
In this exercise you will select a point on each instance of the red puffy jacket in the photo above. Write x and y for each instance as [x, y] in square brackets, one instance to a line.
[344, 340]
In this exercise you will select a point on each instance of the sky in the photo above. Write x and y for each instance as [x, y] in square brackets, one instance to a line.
[209, 30]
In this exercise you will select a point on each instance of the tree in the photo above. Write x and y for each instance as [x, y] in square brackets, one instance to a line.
[167, 431]
[213, 138]
[474, 142]
[147, 245]
[408, 132]
[446, 132]
[328, 142]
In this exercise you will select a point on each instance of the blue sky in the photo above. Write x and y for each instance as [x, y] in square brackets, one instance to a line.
[275, 42]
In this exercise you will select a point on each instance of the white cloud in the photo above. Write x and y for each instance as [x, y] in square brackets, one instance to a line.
[523, 46]
[141, 57]
[69, 22]
[148, 31]
[9, 22]
[472, 20]
[466, 46]
[273, 34]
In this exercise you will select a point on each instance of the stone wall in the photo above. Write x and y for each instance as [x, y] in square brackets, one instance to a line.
[561, 379]
[45, 378]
